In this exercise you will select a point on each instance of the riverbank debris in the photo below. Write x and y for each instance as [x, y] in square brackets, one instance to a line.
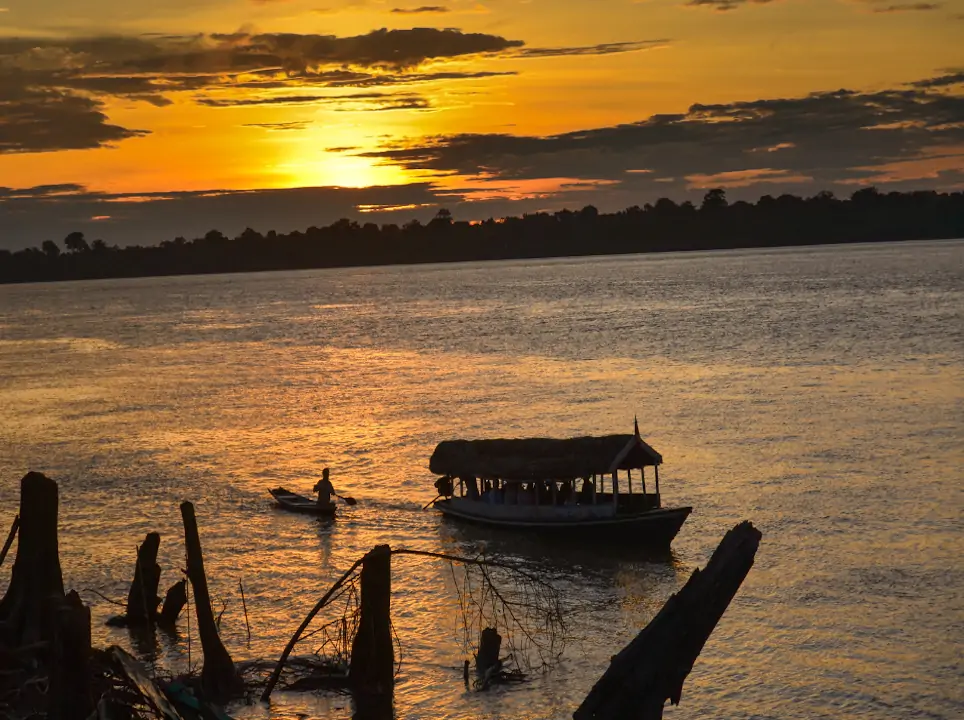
[49, 669]
[47, 665]
[526, 608]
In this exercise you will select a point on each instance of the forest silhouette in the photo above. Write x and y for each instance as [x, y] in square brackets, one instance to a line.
[665, 226]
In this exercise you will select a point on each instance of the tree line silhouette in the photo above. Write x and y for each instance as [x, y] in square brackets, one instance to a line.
[787, 220]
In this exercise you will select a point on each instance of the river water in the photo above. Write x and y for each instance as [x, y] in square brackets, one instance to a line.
[818, 392]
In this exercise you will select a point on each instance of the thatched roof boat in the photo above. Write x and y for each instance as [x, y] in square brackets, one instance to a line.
[542, 484]
[543, 458]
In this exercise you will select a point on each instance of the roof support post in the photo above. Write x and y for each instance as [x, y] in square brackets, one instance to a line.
[659, 503]
[629, 476]
[615, 489]
[642, 471]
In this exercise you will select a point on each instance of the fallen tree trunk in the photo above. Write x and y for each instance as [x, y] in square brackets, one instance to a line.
[36, 575]
[219, 679]
[652, 668]
[142, 599]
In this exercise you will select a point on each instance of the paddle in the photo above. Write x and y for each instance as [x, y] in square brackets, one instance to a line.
[431, 501]
[348, 499]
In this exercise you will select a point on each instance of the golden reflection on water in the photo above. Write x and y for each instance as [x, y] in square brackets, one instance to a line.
[136, 395]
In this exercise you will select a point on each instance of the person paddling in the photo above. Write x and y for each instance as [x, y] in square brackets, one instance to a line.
[325, 489]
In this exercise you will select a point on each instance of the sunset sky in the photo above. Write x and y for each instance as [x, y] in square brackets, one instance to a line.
[136, 122]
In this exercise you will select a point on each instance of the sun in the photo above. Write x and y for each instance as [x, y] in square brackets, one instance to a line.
[334, 160]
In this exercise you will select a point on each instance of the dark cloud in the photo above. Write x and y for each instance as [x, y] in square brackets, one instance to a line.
[724, 5]
[41, 191]
[52, 90]
[908, 7]
[356, 101]
[826, 137]
[297, 53]
[42, 120]
[291, 125]
[601, 49]
[950, 78]
[421, 10]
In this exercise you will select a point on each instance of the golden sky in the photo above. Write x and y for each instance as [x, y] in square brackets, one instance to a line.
[482, 106]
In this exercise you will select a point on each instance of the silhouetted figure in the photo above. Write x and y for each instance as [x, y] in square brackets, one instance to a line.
[471, 487]
[586, 493]
[565, 493]
[444, 486]
[325, 489]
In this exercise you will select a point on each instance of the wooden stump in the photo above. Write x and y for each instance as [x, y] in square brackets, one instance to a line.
[142, 599]
[490, 643]
[372, 667]
[652, 668]
[36, 574]
[174, 602]
[219, 679]
[70, 675]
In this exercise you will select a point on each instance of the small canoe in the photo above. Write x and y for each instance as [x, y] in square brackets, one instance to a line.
[299, 503]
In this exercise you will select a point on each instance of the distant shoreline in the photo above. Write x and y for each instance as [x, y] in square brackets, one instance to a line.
[787, 221]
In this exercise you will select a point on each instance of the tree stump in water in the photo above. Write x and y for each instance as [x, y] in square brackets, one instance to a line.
[487, 663]
[652, 668]
[70, 675]
[490, 643]
[372, 668]
[142, 599]
[174, 602]
[36, 575]
[219, 679]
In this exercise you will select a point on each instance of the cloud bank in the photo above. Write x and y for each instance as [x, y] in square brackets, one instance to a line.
[53, 91]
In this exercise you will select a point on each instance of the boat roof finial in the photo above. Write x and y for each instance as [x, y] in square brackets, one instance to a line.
[636, 426]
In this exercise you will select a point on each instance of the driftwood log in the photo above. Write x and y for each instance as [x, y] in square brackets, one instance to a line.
[372, 666]
[142, 599]
[652, 668]
[219, 678]
[36, 576]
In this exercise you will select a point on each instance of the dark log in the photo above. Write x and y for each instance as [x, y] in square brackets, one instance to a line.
[36, 575]
[652, 668]
[142, 599]
[70, 676]
[490, 643]
[372, 666]
[152, 696]
[174, 602]
[14, 526]
[219, 679]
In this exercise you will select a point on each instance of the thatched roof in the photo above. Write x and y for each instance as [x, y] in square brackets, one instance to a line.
[542, 458]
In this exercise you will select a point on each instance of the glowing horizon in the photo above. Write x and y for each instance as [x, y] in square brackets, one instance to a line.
[508, 101]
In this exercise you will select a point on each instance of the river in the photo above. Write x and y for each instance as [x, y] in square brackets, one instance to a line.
[818, 392]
